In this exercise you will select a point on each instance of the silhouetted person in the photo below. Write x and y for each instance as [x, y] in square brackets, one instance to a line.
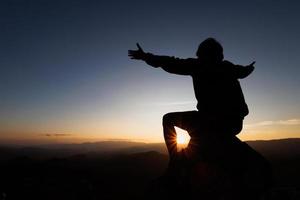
[221, 104]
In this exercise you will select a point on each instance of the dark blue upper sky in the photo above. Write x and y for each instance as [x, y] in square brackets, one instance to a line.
[64, 64]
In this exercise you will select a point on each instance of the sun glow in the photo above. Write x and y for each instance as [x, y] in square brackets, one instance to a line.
[183, 138]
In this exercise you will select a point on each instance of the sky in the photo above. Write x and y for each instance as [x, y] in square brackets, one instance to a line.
[65, 75]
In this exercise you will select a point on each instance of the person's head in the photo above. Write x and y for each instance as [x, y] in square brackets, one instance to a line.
[210, 51]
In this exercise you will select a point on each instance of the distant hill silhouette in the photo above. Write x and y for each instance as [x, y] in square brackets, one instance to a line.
[73, 172]
[270, 148]
[284, 148]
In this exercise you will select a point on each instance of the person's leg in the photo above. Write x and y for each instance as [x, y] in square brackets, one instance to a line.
[229, 126]
[182, 120]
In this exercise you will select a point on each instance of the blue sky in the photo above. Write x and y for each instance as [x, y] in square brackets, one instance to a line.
[64, 65]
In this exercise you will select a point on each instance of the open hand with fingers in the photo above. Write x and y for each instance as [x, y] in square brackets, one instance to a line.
[138, 54]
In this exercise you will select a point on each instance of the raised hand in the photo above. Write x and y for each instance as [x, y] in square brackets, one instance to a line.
[138, 54]
[251, 65]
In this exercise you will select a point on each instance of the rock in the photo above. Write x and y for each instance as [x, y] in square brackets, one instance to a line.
[214, 168]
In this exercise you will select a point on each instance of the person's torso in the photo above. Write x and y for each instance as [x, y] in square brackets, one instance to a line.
[218, 92]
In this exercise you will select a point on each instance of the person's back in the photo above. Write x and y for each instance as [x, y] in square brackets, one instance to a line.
[218, 90]
[215, 80]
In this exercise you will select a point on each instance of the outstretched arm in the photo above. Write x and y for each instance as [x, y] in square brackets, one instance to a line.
[168, 63]
[244, 71]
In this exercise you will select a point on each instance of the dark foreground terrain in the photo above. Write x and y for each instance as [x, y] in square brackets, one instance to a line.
[117, 170]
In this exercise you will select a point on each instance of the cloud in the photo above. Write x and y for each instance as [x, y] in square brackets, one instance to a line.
[290, 122]
[57, 134]
[266, 123]
[287, 122]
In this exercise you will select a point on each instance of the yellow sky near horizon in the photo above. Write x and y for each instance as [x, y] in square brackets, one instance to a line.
[264, 130]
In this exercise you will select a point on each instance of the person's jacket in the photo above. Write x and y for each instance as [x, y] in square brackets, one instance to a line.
[216, 85]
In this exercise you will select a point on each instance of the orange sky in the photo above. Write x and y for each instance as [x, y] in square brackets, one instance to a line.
[264, 130]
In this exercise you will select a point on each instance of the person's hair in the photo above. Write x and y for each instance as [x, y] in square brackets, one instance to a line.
[210, 50]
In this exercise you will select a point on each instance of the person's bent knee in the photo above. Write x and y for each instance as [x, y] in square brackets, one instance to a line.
[167, 119]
